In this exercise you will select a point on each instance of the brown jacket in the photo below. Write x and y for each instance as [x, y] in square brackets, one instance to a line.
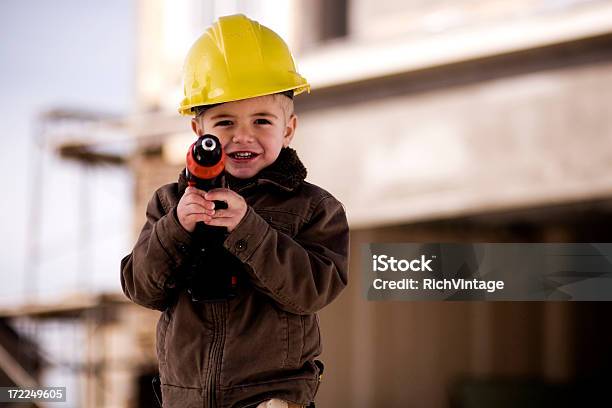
[293, 247]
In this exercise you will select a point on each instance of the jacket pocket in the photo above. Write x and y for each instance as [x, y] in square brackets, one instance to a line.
[281, 221]
[295, 340]
[162, 330]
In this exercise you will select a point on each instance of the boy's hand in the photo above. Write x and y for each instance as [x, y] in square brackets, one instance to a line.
[236, 208]
[193, 207]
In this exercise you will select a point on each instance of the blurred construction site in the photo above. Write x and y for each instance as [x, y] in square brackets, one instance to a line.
[431, 121]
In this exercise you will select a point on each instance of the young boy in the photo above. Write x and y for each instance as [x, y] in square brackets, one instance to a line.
[288, 237]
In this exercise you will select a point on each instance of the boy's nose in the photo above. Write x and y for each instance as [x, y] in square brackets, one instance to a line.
[242, 135]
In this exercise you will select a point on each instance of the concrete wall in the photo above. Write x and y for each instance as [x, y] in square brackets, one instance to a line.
[514, 140]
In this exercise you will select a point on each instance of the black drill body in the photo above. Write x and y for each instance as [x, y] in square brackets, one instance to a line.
[212, 273]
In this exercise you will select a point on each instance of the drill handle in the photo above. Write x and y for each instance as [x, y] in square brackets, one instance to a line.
[219, 205]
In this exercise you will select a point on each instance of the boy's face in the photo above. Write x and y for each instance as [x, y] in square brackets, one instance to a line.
[252, 131]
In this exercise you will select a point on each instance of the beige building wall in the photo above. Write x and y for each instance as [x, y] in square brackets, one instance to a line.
[528, 140]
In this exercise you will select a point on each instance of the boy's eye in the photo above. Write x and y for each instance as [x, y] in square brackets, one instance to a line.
[224, 123]
[262, 121]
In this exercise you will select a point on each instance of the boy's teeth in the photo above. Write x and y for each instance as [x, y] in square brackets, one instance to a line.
[243, 155]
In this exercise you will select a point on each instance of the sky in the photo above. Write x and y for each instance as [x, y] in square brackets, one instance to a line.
[75, 54]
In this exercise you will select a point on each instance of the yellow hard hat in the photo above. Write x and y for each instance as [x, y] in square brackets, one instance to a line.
[237, 58]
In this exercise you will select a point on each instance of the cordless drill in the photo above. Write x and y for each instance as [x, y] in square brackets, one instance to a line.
[213, 271]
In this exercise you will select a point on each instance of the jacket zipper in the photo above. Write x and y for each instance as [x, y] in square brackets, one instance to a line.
[216, 353]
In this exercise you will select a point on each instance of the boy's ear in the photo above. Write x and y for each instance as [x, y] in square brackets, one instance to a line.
[195, 125]
[290, 130]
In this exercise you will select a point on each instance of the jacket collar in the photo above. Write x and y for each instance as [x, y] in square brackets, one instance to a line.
[286, 173]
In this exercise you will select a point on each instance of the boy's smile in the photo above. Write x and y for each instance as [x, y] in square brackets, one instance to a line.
[252, 131]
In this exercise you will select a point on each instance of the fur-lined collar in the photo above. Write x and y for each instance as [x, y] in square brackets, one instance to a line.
[286, 173]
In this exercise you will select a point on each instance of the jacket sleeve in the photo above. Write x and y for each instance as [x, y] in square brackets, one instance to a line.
[147, 272]
[301, 274]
